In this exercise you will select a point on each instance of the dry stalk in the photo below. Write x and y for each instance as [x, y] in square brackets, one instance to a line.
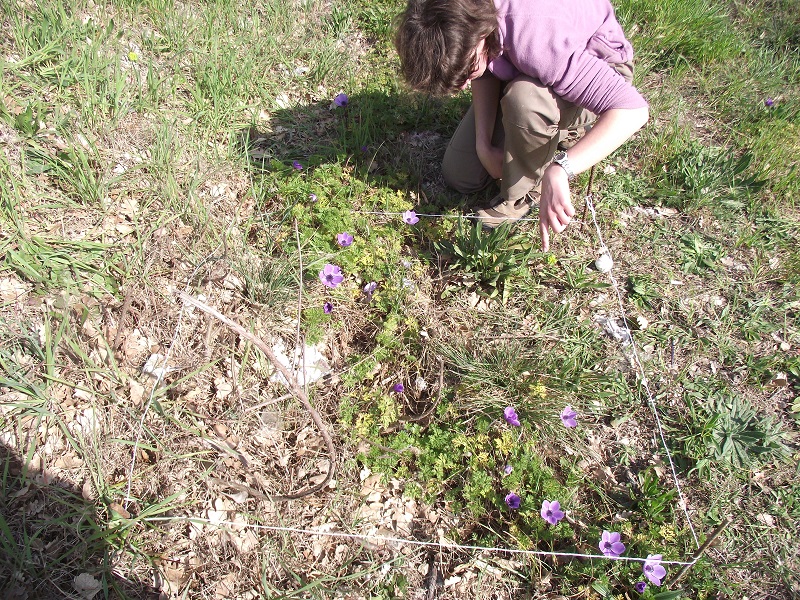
[126, 306]
[290, 383]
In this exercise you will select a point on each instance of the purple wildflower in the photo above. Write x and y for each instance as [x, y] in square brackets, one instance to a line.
[370, 288]
[398, 388]
[653, 570]
[344, 239]
[551, 512]
[312, 197]
[508, 470]
[569, 417]
[331, 276]
[610, 544]
[296, 165]
[513, 501]
[341, 100]
[640, 586]
[769, 102]
[410, 217]
[511, 416]
[327, 308]
[364, 148]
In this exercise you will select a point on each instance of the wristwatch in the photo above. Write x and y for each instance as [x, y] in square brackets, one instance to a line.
[562, 160]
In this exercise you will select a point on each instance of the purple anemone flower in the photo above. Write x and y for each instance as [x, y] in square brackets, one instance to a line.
[508, 470]
[398, 388]
[653, 570]
[370, 288]
[769, 102]
[410, 217]
[327, 308]
[569, 417]
[341, 100]
[312, 197]
[513, 501]
[344, 239]
[296, 165]
[640, 586]
[551, 512]
[511, 417]
[331, 275]
[610, 544]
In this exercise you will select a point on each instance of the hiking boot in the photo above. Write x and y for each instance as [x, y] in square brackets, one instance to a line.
[500, 211]
[571, 136]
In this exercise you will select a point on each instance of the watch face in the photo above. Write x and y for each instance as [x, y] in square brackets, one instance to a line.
[560, 155]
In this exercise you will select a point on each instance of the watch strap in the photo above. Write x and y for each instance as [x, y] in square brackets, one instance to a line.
[562, 160]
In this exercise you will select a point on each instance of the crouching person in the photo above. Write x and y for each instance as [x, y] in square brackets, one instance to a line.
[551, 95]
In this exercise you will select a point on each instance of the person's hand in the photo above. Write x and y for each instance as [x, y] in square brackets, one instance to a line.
[555, 205]
[491, 158]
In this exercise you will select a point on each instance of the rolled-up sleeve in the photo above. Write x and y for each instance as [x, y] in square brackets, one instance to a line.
[592, 83]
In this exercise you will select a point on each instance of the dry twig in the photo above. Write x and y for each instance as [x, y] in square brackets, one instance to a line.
[290, 383]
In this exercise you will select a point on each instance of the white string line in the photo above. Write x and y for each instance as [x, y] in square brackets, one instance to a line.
[434, 215]
[160, 372]
[397, 540]
[640, 367]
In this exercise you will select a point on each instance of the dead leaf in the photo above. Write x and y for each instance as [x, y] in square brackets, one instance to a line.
[124, 228]
[68, 461]
[137, 392]
[243, 542]
[82, 394]
[238, 497]
[86, 585]
[226, 586]
[223, 388]
[89, 422]
[134, 343]
[119, 511]
[129, 207]
[174, 576]
[87, 490]
[779, 380]
[232, 282]
[12, 289]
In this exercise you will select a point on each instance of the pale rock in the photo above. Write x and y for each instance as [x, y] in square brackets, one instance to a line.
[310, 363]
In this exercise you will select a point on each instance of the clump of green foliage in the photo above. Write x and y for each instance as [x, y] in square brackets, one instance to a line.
[725, 429]
[703, 175]
[488, 261]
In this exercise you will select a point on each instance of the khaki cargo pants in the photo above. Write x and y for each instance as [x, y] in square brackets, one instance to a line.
[531, 121]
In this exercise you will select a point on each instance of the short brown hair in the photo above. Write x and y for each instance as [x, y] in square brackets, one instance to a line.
[436, 40]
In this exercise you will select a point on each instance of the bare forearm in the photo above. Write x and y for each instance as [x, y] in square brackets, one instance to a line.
[610, 131]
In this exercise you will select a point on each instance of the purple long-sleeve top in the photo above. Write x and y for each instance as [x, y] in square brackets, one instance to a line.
[567, 45]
